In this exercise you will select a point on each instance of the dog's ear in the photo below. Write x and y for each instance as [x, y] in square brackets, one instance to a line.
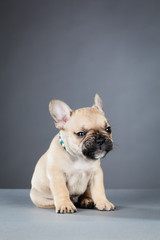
[98, 103]
[60, 112]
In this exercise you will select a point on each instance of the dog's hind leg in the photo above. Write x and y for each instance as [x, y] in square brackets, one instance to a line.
[40, 201]
[85, 200]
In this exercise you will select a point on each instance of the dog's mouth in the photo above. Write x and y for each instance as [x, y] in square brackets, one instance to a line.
[94, 154]
[99, 154]
[96, 151]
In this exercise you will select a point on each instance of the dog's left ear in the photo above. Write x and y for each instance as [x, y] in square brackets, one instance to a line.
[98, 103]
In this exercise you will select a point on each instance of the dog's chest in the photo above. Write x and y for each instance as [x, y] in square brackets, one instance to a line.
[78, 178]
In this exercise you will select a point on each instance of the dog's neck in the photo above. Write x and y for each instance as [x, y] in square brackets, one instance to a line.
[61, 140]
[73, 156]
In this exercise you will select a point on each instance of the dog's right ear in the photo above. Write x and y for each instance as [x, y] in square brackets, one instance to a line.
[60, 112]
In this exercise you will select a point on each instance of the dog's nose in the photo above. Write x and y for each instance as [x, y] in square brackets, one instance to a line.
[100, 141]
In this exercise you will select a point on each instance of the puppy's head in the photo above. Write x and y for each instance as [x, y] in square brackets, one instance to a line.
[86, 131]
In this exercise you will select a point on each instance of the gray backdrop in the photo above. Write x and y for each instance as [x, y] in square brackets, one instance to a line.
[70, 50]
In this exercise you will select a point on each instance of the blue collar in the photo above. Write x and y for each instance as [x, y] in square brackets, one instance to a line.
[61, 140]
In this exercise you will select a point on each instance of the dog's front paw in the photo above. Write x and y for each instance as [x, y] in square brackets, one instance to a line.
[104, 205]
[65, 207]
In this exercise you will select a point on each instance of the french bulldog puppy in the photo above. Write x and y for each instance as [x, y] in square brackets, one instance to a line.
[70, 171]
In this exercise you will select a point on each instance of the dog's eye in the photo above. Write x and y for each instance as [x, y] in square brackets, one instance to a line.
[108, 130]
[81, 134]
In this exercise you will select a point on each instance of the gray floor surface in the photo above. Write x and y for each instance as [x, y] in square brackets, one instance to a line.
[137, 217]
